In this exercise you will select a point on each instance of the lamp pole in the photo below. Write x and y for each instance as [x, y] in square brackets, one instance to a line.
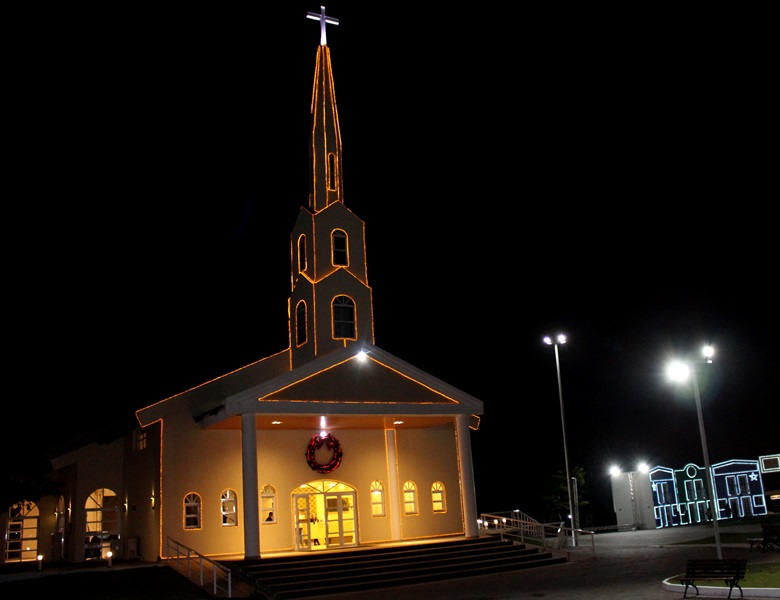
[680, 373]
[561, 339]
[710, 487]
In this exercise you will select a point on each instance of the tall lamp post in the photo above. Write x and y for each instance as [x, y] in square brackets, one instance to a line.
[561, 339]
[679, 371]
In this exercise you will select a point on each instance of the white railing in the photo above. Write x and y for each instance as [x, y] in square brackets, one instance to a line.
[527, 529]
[514, 522]
[200, 569]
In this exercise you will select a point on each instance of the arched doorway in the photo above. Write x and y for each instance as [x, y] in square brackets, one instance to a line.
[102, 511]
[325, 515]
[21, 536]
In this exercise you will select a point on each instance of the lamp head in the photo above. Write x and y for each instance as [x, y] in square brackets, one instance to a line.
[678, 371]
[561, 339]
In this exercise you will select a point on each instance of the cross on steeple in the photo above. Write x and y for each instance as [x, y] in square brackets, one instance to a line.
[323, 19]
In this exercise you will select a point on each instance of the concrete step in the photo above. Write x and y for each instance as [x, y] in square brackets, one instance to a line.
[372, 568]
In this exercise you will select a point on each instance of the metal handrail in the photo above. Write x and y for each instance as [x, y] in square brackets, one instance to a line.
[520, 524]
[178, 553]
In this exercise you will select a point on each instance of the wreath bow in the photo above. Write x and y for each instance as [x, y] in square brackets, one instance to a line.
[332, 444]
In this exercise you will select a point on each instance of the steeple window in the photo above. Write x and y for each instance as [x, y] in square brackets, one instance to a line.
[302, 254]
[331, 172]
[339, 248]
[343, 309]
[300, 323]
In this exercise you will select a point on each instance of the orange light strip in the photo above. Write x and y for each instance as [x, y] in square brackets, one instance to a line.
[412, 379]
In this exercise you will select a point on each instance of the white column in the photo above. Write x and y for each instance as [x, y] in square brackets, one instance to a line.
[251, 494]
[468, 489]
[395, 497]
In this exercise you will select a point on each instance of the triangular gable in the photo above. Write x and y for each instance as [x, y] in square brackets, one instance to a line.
[358, 380]
[339, 383]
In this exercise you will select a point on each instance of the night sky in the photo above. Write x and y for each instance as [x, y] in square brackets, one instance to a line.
[606, 174]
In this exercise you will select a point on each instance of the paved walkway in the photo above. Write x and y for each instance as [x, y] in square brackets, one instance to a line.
[619, 565]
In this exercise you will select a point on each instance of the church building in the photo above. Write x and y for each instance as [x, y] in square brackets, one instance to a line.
[329, 443]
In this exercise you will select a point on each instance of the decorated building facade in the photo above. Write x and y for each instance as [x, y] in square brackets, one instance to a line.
[666, 497]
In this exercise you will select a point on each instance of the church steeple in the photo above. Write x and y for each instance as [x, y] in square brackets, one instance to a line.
[330, 302]
[326, 183]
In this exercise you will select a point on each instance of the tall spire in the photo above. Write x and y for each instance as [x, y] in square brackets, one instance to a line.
[330, 306]
[325, 151]
[323, 19]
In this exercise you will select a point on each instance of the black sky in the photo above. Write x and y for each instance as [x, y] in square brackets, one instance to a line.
[609, 174]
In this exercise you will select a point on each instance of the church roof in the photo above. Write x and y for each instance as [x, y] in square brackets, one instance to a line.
[357, 380]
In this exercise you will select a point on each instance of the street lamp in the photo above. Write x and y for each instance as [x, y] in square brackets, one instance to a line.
[680, 371]
[561, 339]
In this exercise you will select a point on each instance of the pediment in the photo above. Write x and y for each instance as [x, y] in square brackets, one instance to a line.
[355, 380]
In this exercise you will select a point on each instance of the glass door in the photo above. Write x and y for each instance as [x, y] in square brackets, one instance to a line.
[325, 515]
[305, 506]
[340, 519]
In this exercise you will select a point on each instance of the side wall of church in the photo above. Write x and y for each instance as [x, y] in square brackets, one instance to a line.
[203, 462]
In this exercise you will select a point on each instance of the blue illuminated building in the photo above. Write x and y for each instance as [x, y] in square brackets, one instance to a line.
[674, 497]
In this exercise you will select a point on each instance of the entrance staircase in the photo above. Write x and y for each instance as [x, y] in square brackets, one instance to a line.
[366, 568]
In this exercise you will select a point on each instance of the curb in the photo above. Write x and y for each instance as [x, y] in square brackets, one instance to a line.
[722, 592]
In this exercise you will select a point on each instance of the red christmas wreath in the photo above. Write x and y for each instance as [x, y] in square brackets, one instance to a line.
[331, 443]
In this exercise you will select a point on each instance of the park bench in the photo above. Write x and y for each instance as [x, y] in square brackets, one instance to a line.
[730, 571]
[770, 538]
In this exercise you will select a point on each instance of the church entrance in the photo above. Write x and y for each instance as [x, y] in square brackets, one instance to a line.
[325, 515]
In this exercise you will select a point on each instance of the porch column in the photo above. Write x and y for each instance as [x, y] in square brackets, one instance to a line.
[393, 492]
[468, 489]
[251, 493]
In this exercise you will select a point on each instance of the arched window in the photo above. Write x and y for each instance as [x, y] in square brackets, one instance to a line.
[268, 504]
[343, 318]
[438, 497]
[301, 254]
[229, 508]
[300, 323]
[192, 514]
[410, 498]
[339, 252]
[377, 499]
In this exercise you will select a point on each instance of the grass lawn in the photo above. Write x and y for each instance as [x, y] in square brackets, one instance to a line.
[758, 575]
